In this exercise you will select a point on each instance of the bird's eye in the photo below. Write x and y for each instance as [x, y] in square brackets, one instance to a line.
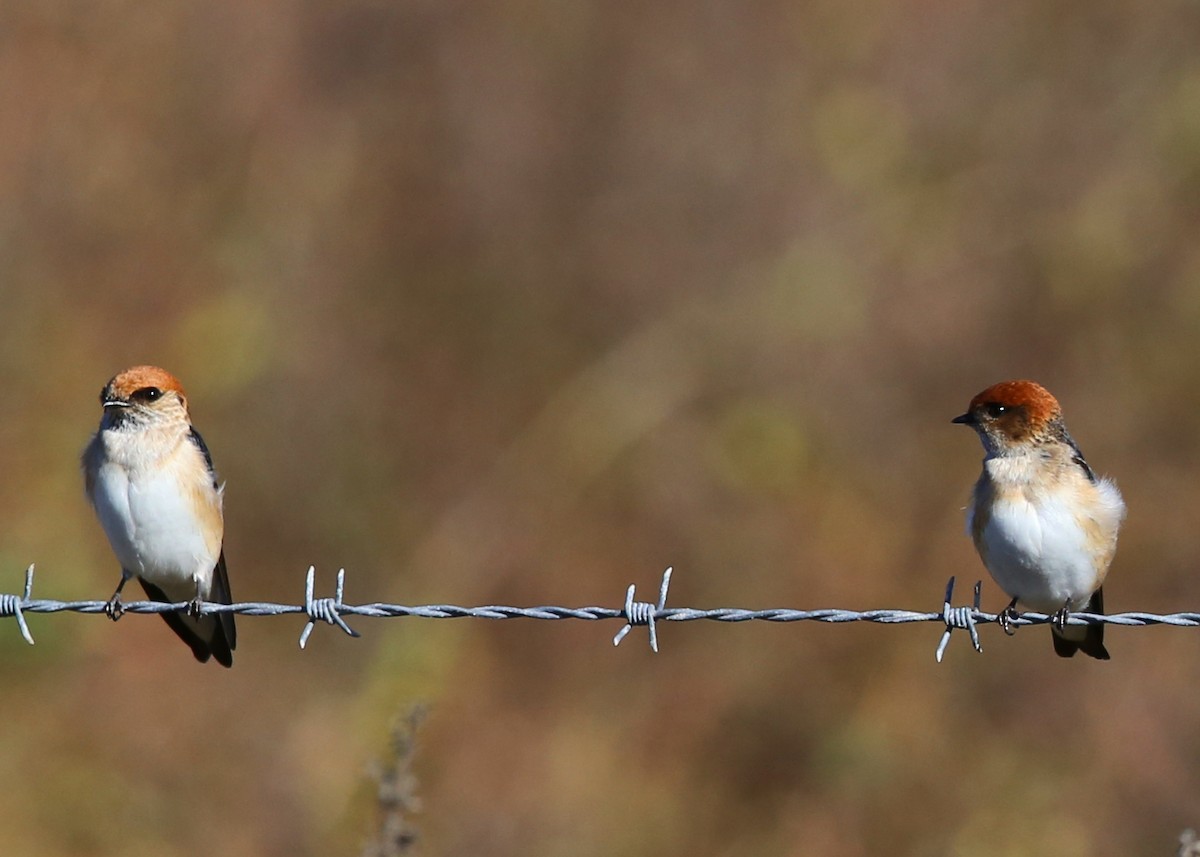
[147, 394]
[994, 409]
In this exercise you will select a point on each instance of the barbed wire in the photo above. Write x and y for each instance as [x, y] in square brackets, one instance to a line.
[333, 610]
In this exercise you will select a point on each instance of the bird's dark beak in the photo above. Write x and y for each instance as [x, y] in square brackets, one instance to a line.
[964, 419]
[115, 403]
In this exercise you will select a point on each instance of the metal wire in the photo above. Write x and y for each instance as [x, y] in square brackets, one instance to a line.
[635, 613]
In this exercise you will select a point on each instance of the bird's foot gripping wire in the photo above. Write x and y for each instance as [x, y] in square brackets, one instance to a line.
[114, 608]
[1007, 616]
[1060, 617]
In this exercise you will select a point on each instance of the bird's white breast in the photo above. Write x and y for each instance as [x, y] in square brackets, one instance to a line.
[1048, 542]
[151, 520]
[1038, 552]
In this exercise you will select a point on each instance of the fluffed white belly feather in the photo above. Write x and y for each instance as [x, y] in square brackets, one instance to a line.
[1040, 553]
[152, 529]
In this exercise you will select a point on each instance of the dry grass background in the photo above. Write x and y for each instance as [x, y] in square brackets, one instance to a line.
[521, 302]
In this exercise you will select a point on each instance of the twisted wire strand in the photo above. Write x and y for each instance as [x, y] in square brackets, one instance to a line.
[334, 611]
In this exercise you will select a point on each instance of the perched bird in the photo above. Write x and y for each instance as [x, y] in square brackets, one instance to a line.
[1044, 524]
[150, 479]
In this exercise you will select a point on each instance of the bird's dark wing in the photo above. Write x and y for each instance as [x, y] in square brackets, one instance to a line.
[215, 634]
[226, 641]
[1077, 455]
[194, 437]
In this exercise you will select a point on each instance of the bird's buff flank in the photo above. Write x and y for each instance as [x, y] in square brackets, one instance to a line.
[150, 479]
[1044, 524]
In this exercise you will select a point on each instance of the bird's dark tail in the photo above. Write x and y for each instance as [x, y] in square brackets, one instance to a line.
[1088, 639]
[210, 636]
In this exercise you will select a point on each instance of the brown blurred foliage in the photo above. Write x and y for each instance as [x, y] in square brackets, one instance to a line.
[522, 302]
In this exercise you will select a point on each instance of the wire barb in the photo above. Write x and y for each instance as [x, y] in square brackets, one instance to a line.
[959, 617]
[10, 605]
[324, 609]
[643, 612]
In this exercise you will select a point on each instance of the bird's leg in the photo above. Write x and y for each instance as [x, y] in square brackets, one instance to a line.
[114, 609]
[1006, 616]
[193, 608]
[1060, 618]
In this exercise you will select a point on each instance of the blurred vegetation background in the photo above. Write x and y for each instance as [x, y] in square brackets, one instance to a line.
[522, 302]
